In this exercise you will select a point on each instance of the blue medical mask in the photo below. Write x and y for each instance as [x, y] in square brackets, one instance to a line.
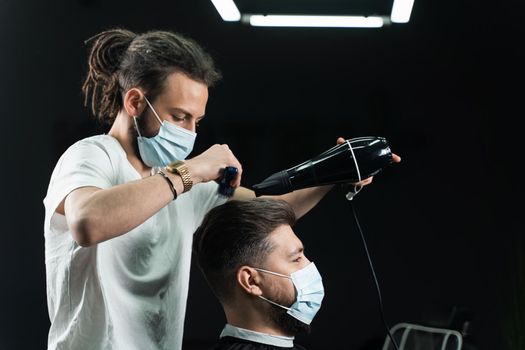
[310, 292]
[170, 144]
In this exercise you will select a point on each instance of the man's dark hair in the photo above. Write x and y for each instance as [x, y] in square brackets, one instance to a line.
[120, 60]
[236, 234]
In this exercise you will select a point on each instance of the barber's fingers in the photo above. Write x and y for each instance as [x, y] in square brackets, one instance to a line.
[232, 161]
[396, 158]
[210, 164]
[364, 182]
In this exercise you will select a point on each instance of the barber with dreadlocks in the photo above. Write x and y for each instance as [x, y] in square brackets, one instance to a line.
[121, 207]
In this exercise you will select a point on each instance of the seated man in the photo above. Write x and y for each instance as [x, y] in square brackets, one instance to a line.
[256, 267]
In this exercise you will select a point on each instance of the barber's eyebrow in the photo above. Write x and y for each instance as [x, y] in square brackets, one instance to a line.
[297, 250]
[178, 109]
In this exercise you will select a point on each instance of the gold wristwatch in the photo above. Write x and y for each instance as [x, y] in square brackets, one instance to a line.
[179, 167]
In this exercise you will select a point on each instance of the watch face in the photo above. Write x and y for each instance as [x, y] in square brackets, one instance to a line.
[179, 167]
[176, 163]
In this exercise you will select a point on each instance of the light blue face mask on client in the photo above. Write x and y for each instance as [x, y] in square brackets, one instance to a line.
[170, 144]
[310, 292]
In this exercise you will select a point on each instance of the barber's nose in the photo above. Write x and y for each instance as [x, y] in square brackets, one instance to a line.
[307, 261]
[191, 126]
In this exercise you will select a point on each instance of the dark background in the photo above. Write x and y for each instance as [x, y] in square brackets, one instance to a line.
[445, 89]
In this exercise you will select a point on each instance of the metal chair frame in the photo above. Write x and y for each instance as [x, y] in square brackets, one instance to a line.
[408, 327]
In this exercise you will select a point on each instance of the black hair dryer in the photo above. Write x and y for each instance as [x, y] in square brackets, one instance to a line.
[348, 162]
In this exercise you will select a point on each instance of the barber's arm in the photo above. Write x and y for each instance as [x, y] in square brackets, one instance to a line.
[96, 215]
[304, 200]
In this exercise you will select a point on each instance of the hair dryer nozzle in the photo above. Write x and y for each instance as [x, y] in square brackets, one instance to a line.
[352, 161]
[277, 183]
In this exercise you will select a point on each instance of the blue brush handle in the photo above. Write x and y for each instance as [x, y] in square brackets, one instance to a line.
[224, 185]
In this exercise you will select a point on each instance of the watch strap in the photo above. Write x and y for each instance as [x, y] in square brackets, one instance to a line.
[180, 168]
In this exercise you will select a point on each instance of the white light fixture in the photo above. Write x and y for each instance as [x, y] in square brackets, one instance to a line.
[313, 21]
[227, 9]
[401, 10]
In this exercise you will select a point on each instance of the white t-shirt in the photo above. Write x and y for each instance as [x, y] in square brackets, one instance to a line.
[129, 292]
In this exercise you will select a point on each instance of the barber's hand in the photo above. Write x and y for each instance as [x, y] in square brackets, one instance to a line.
[367, 181]
[209, 165]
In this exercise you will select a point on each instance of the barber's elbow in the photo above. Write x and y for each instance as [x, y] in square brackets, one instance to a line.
[84, 231]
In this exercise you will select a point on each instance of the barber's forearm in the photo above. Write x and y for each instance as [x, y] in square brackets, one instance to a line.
[302, 201]
[96, 215]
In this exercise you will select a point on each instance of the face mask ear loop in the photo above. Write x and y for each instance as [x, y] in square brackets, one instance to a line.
[350, 195]
[137, 126]
[274, 303]
[154, 112]
[271, 272]
[276, 274]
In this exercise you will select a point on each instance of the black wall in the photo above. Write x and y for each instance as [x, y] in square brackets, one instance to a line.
[445, 89]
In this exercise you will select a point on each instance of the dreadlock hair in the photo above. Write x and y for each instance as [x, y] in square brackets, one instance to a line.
[120, 60]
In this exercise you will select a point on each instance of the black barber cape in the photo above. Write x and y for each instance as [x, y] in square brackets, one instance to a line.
[231, 343]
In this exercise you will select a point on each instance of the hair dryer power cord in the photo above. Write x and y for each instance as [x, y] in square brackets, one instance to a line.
[378, 290]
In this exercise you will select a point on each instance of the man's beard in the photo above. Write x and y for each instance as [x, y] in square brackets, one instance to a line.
[287, 323]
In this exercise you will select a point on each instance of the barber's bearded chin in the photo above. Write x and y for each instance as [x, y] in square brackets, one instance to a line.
[288, 324]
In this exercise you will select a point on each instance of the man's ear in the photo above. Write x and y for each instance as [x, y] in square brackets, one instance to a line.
[134, 102]
[248, 279]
